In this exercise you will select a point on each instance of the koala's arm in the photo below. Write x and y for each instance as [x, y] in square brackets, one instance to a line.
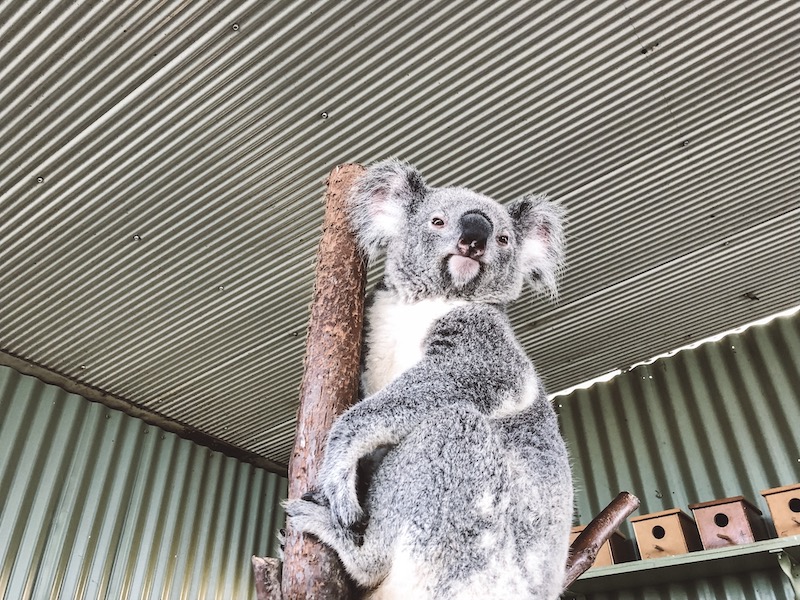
[471, 359]
[383, 419]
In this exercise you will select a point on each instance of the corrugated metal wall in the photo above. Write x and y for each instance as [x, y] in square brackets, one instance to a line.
[97, 504]
[720, 420]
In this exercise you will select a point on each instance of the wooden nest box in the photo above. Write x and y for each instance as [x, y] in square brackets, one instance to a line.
[784, 505]
[665, 533]
[728, 522]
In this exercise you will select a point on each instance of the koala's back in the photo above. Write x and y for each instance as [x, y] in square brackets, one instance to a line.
[489, 520]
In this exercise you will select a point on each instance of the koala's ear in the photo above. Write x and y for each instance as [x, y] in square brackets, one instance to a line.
[539, 228]
[381, 201]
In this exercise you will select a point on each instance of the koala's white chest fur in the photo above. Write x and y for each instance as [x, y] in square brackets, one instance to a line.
[395, 336]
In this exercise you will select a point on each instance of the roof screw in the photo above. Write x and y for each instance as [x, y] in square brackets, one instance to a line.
[685, 143]
[324, 115]
[221, 288]
[137, 238]
[40, 180]
[235, 27]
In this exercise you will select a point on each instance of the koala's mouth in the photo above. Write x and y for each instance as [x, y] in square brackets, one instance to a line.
[462, 269]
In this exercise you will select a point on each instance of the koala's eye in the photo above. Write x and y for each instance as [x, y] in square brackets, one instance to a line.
[437, 222]
[502, 240]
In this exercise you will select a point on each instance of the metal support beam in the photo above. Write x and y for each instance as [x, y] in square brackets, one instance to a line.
[790, 565]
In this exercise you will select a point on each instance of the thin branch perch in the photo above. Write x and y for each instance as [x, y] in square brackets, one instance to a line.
[585, 547]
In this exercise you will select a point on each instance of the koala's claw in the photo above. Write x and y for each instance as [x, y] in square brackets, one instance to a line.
[315, 496]
[338, 504]
[311, 518]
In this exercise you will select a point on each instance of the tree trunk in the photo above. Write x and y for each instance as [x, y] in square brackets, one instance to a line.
[330, 385]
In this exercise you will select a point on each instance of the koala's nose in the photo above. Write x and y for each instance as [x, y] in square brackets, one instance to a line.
[475, 230]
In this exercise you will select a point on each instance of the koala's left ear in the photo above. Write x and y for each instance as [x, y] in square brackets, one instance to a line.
[539, 228]
[381, 202]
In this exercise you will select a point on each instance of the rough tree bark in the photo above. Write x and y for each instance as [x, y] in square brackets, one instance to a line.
[330, 385]
[267, 572]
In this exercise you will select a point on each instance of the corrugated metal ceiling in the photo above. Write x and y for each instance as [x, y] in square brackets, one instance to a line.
[161, 170]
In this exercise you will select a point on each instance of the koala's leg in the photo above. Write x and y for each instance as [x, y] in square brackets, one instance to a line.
[432, 490]
[363, 558]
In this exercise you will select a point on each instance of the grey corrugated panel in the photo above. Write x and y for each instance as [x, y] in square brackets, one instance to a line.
[97, 504]
[709, 288]
[208, 141]
[690, 202]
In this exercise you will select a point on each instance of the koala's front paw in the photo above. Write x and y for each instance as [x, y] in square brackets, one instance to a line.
[309, 517]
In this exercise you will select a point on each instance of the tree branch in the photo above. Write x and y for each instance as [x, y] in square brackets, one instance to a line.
[583, 551]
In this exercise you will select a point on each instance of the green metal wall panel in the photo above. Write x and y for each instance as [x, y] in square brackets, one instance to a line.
[720, 420]
[98, 504]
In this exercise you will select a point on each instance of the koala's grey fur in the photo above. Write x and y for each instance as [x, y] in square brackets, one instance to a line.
[469, 491]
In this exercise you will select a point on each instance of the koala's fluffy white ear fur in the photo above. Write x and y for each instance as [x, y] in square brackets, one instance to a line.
[540, 232]
[381, 201]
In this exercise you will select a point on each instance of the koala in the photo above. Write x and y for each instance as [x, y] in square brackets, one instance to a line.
[449, 479]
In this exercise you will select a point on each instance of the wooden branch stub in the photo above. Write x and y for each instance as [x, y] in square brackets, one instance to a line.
[267, 573]
[330, 384]
[583, 551]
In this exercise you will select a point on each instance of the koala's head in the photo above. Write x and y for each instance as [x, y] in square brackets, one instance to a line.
[453, 242]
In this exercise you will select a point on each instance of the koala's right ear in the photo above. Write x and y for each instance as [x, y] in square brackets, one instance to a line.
[381, 201]
[539, 225]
